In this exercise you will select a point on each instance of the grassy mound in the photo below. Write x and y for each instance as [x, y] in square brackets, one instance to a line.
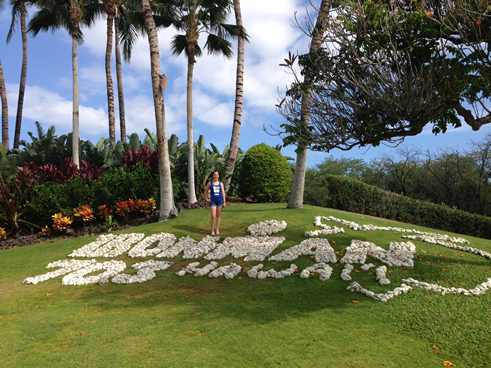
[242, 322]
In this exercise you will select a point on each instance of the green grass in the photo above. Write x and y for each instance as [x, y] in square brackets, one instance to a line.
[201, 322]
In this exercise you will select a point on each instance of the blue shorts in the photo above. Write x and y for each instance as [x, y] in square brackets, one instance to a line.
[216, 203]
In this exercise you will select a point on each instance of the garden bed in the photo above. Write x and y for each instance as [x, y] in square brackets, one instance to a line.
[79, 231]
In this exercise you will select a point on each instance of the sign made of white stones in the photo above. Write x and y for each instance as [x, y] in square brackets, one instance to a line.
[255, 248]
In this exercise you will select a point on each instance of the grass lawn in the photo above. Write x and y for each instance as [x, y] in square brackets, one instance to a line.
[187, 321]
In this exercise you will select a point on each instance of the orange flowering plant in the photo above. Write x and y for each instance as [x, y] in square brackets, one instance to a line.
[86, 213]
[146, 206]
[60, 222]
[105, 211]
[3, 233]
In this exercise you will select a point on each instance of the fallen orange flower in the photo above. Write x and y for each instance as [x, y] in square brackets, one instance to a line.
[448, 364]
[49, 294]
[356, 302]
[436, 347]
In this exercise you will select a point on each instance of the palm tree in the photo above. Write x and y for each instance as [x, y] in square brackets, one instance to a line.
[194, 17]
[5, 111]
[19, 13]
[3, 97]
[239, 99]
[166, 195]
[119, 76]
[298, 183]
[111, 10]
[71, 15]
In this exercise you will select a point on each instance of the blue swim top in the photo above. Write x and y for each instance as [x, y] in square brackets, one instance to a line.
[216, 192]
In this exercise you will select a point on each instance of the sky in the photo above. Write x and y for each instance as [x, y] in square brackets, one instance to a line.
[273, 33]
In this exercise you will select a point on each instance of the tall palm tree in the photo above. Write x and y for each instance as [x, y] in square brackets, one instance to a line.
[119, 76]
[5, 111]
[111, 9]
[166, 195]
[71, 15]
[19, 14]
[194, 17]
[239, 100]
[3, 98]
[298, 183]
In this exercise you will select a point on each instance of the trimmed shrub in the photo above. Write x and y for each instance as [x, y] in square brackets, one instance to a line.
[265, 175]
[354, 196]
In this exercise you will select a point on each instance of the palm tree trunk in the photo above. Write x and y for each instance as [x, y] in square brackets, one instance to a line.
[23, 76]
[119, 80]
[298, 183]
[76, 16]
[166, 196]
[239, 98]
[191, 184]
[109, 79]
[5, 110]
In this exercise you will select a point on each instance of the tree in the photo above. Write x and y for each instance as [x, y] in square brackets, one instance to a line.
[5, 111]
[239, 100]
[119, 77]
[166, 196]
[70, 14]
[19, 13]
[3, 97]
[195, 17]
[111, 8]
[317, 33]
[388, 69]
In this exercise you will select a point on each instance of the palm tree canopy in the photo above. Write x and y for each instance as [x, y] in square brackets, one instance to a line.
[203, 16]
[131, 24]
[54, 15]
[16, 15]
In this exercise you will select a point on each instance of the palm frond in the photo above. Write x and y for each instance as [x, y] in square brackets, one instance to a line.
[233, 31]
[46, 20]
[179, 44]
[218, 46]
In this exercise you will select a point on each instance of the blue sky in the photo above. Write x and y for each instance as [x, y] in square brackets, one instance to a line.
[270, 25]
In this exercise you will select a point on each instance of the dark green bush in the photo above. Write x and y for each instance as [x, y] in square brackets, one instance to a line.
[354, 196]
[124, 183]
[52, 197]
[265, 175]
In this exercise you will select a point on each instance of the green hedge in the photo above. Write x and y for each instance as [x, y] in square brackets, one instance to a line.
[118, 185]
[354, 196]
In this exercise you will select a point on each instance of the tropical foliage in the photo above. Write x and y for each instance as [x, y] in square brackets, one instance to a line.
[388, 69]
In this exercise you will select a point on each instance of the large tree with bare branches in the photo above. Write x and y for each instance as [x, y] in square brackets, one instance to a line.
[388, 69]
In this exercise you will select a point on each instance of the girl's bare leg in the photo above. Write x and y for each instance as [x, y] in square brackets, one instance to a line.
[212, 222]
[219, 219]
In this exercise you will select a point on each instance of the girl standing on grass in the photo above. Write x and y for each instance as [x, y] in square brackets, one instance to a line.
[217, 201]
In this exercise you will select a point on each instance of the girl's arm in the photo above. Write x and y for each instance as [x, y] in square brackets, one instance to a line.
[223, 194]
[206, 191]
